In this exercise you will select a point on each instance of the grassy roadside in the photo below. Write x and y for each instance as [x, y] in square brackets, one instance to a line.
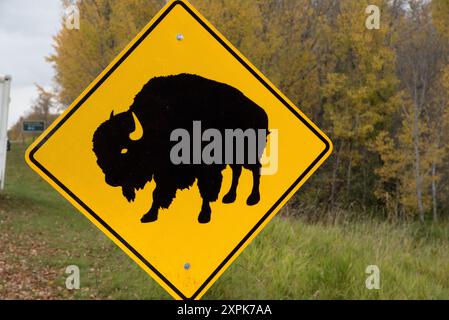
[41, 234]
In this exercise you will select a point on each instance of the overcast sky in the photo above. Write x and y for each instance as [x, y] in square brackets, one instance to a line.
[26, 31]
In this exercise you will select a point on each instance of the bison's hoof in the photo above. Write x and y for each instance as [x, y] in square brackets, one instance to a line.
[229, 197]
[253, 199]
[204, 216]
[149, 217]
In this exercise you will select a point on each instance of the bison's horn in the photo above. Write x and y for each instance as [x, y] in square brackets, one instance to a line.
[112, 114]
[138, 130]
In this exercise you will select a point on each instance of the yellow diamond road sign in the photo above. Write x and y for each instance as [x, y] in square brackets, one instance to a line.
[180, 151]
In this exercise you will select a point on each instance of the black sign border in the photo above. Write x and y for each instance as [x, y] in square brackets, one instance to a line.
[98, 84]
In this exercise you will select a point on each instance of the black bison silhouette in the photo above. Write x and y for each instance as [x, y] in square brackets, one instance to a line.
[133, 147]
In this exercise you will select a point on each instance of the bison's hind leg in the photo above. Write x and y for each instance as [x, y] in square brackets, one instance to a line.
[232, 193]
[254, 197]
[209, 184]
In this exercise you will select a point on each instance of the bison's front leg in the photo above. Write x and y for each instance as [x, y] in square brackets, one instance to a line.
[151, 215]
[204, 216]
[163, 195]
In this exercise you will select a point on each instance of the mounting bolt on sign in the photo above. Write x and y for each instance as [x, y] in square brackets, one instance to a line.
[189, 159]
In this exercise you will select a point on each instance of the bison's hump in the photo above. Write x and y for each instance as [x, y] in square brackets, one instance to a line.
[188, 97]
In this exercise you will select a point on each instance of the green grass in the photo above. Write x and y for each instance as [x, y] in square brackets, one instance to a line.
[288, 260]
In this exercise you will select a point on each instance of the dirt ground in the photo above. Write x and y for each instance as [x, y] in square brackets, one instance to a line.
[17, 279]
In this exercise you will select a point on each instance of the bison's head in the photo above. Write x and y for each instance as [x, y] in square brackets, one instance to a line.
[117, 145]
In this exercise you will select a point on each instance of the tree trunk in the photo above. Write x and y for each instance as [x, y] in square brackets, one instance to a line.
[418, 182]
[364, 186]
[334, 177]
[434, 192]
[348, 178]
[396, 203]
[417, 157]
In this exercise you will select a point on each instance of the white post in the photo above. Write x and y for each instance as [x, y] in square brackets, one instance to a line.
[5, 86]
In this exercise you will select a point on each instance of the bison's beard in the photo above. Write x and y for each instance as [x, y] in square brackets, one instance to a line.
[129, 191]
